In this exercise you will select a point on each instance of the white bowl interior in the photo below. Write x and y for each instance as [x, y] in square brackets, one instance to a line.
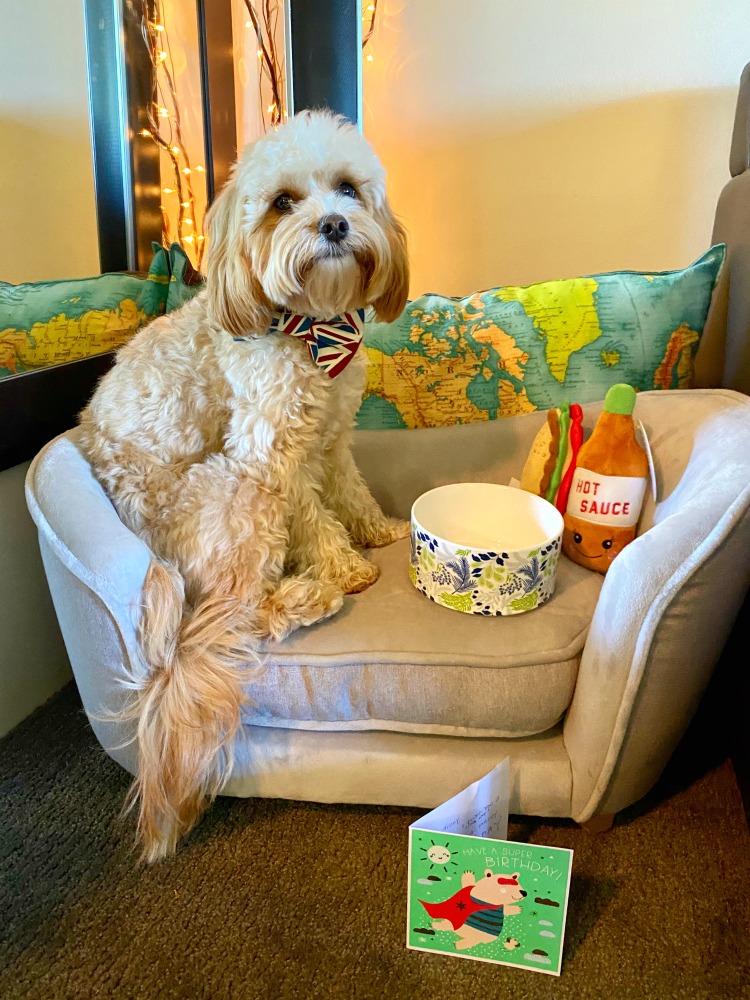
[487, 516]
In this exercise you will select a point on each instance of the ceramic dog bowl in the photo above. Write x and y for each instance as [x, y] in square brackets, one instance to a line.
[485, 549]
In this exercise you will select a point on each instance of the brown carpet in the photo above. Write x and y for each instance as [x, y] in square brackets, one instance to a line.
[288, 900]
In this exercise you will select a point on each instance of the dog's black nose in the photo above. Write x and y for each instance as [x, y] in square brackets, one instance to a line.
[333, 227]
[523, 892]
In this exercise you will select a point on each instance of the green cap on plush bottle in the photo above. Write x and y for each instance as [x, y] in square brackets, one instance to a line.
[620, 399]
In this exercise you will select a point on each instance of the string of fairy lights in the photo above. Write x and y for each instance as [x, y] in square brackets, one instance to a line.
[368, 25]
[165, 129]
[180, 222]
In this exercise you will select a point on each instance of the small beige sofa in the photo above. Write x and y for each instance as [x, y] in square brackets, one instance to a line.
[399, 701]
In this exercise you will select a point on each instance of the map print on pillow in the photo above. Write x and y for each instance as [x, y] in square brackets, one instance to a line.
[48, 323]
[508, 351]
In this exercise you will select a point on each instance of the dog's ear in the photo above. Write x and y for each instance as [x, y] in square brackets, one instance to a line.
[394, 280]
[235, 297]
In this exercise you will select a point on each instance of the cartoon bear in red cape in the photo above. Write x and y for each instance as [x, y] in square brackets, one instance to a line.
[476, 912]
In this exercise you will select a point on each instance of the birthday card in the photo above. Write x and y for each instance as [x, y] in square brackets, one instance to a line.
[474, 894]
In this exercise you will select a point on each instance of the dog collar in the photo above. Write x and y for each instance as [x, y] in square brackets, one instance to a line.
[332, 343]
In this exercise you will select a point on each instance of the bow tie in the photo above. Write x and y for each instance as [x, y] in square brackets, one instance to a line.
[332, 343]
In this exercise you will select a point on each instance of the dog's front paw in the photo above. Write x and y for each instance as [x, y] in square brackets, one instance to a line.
[298, 601]
[384, 532]
[359, 578]
[353, 575]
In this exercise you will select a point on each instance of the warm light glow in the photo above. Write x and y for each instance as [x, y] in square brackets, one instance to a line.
[248, 24]
[201, 238]
[371, 7]
[260, 53]
[271, 108]
[369, 56]
[162, 118]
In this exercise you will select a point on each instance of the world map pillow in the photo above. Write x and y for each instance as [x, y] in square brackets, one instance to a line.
[508, 351]
[512, 350]
[51, 322]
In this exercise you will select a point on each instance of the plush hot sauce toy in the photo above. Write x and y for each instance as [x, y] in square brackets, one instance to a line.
[607, 487]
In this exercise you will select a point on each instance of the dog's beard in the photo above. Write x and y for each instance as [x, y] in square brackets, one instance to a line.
[302, 272]
[333, 285]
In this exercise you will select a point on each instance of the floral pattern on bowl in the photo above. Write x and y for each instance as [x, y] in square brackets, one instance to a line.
[480, 581]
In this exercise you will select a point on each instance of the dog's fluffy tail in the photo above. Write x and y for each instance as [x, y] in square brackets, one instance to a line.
[188, 705]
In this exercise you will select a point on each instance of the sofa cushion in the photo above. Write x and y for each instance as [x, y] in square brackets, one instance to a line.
[391, 659]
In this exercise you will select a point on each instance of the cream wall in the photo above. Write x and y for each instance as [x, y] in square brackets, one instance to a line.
[48, 227]
[47, 209]
[33, 661]
[539, 140]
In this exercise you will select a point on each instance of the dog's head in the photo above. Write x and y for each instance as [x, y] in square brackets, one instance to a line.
[303, 224]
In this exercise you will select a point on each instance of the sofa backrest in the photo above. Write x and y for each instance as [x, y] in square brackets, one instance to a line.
[726, 360]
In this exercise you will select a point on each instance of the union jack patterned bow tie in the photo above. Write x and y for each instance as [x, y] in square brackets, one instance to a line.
[332, 343]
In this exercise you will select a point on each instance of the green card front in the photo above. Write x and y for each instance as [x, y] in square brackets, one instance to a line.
[482, 897]
[491, 900]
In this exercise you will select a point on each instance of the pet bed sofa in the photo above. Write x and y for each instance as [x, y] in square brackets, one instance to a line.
[398, 701]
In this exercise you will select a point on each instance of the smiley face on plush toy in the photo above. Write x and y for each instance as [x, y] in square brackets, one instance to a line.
[594, 546]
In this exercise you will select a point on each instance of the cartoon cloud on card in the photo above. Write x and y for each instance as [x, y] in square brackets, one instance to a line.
[477, 911]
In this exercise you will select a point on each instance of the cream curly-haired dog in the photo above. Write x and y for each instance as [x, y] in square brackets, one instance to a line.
[226, 447]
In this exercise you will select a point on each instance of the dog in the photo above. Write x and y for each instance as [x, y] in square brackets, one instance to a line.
[225, 445]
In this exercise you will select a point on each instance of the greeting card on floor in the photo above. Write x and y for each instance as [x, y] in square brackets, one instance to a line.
[474, 894]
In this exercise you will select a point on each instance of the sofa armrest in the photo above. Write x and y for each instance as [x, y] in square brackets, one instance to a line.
[667, 604]
[72, 511]
[95, 569]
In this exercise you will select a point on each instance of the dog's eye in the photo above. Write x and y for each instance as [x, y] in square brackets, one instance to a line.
[283, 203]
[347, 189]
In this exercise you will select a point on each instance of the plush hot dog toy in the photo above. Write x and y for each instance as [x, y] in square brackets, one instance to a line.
[549, 468]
